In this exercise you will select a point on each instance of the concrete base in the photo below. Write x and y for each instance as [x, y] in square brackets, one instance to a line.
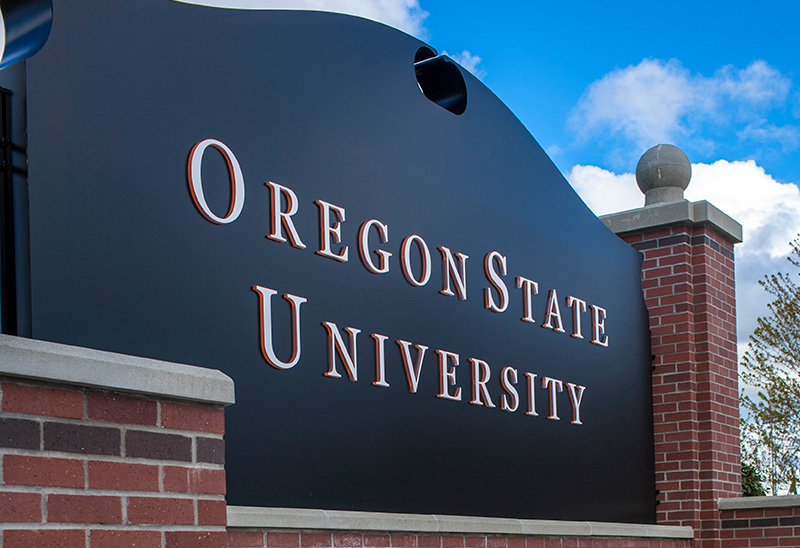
[245, 517]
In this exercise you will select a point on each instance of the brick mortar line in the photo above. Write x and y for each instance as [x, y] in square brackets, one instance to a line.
[85, 464]
[6, 526]
[65, 455]
[40, 425]
[161, 479]
[94, 492]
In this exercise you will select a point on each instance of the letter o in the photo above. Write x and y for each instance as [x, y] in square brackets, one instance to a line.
[425, 257]
[196, 182]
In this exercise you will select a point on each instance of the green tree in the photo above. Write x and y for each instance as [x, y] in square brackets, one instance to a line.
[751, 482]
[771, 365]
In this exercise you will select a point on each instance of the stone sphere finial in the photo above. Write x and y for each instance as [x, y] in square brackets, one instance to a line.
[663, 173]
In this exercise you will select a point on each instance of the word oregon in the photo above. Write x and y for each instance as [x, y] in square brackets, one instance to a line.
[480, 371]
[454, 274]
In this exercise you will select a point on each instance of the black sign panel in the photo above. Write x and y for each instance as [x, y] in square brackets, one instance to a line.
[419, 313]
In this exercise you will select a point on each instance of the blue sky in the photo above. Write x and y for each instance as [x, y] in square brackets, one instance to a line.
[543, 59]
[598, 83]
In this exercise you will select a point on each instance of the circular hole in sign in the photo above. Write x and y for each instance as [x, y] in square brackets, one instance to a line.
[424, 53]
[440, 80]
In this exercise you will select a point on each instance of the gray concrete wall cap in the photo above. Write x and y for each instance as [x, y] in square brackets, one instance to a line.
[693, 213]
[250, 517]
[32, 359]
[747, 503]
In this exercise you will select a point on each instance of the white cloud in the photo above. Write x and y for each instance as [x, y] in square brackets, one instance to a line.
[405, 15]
[605, 191]
[759, 84]
[786, 136]
[468, 61]
[768, 210]
[661, 101]
[644, 103]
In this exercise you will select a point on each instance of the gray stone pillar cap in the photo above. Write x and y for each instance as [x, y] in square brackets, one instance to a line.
[663, 173]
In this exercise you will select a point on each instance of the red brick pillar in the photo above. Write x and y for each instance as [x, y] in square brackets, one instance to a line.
[688, 285]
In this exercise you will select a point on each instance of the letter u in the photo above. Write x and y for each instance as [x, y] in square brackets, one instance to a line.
[265, 325]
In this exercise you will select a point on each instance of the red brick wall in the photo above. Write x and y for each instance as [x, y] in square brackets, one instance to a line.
[761, 527]
[88, 469]
[688, 284]
[277, 539]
